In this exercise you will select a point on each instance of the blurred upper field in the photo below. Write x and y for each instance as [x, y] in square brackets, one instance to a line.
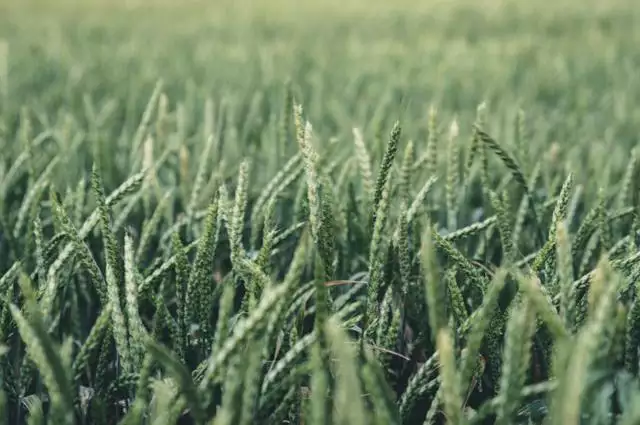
[572, 65]
[452, 52]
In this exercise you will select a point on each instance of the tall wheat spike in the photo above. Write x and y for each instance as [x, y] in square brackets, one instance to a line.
[376, 252]
[385, 168]
[39, 250]
[4, 69]
[315, 214]
[404, 184]
[504, 228]
[561, 208]
[269, 233]
[181, 287]
[364, 161]
[199, 286]
[137, 330]
[403, 246]
[113, 275]
[236, 224]
[565, 275]
[432, 141]
[453, 176]
[303, 132]
[285, 120]
[474, 143]
[25, 133]
[603, 221]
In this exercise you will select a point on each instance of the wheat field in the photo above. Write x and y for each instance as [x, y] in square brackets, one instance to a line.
[312, 213]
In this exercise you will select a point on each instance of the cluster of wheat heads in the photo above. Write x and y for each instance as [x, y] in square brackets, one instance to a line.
[367, 284]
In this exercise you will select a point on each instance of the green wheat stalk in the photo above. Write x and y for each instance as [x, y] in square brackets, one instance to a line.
[137, 330]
